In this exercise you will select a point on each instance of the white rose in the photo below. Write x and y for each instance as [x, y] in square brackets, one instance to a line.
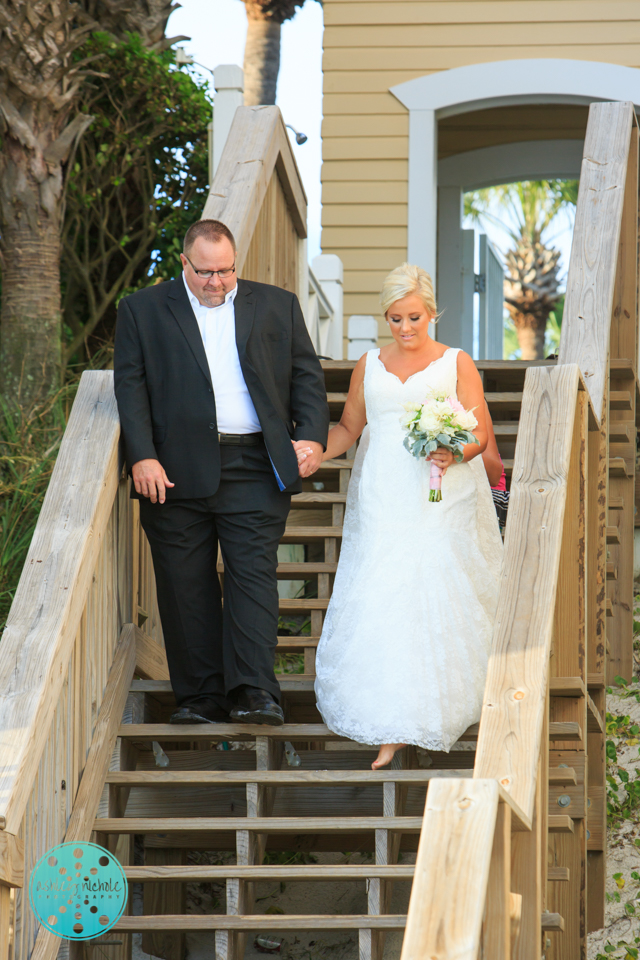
[466, 420]
[407, 419]
[429, 421]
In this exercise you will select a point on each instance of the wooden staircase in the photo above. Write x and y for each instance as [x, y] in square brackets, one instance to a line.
[250, 802]
[86, 750]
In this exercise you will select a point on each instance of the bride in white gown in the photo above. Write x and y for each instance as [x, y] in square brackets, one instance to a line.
[403, 653]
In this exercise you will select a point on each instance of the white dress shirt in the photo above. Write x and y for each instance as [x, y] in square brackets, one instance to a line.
[235, 411]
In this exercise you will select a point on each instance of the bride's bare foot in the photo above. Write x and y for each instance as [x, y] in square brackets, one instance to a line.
[386, 754]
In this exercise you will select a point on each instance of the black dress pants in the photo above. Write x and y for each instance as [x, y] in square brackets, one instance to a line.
[211, 650]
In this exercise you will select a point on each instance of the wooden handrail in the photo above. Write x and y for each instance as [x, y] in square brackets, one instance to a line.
[591, 281]
[515, 693]
[52, 592]
[256, 146]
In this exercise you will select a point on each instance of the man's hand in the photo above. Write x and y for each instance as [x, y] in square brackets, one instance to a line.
[309, 454]
[150, 480]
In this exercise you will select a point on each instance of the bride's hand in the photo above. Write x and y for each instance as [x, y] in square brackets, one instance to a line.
[443, 458]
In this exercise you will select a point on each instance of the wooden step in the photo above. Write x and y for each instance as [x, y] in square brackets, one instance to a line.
[609, 608]
[505, 400]
[285, 777]
[293, 643]
[615, 503]
[268, 874]
[310, 534]
[288, 731]
[271, 825]
[620, 400]
[289, 682]
[612, 570]
[506, 430]
[301, 570]
[613, 535]
[552, 923]
[340, 872]
[621, 368]
[301, 606]
[316, 499]
[332, 465]
[618, 467]
[566, 687]
[622, 432]
[260, 922]
[561, 777]
[565, 731]
[560, 823]
[166, 732]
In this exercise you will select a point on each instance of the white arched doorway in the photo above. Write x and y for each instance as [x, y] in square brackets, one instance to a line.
[480, 87]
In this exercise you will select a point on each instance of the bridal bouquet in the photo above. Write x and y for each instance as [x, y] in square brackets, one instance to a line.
[438, 422]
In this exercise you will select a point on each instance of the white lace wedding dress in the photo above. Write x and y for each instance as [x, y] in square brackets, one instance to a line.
[403, 653]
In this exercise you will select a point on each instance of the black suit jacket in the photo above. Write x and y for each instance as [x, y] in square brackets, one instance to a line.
[165, 394]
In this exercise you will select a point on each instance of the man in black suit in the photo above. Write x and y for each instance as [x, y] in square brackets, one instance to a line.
[217, 385]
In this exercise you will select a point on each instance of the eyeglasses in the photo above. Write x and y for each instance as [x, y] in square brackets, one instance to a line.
[207, 274]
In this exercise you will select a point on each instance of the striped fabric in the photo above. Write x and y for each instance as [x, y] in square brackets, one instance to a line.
[501, 503]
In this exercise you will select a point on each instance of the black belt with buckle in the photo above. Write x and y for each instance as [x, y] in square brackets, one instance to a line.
[240, 439]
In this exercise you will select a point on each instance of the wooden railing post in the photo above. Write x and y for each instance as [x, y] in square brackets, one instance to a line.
[568, 702]
[5, 922]
[496, 928]
[11, 878]
[622, 425]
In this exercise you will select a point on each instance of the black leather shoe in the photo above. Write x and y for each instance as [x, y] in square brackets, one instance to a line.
[257, 706]
[201, 712]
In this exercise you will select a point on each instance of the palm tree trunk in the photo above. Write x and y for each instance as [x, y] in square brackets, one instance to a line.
[30, 209]
[261, 61]
[530, 337]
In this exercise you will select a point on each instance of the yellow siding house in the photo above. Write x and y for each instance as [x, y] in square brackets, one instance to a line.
[424, 99]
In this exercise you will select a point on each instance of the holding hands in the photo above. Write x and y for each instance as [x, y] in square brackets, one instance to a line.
[309, 454]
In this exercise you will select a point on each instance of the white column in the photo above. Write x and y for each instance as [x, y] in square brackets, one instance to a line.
[363, 335]
[329, 271]
[303, 277]
[228, 81]
[423, 189]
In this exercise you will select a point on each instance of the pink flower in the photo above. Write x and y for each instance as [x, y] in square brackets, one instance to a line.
[457, 406]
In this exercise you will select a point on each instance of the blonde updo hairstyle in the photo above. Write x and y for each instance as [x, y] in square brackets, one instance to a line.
[405, 281]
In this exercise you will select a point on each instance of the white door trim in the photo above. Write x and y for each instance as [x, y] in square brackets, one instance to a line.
[542, 80]
[478, 87]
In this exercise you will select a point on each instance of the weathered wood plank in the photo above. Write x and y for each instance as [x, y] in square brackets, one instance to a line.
[258, 922]
[11, 860]
[515, 693]
[339, 872]
[155, 778]
[257, 144]
[258, 824]
[151, 660]
[53, 588]
[454, 855]
[5, 922]
[594, 252]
